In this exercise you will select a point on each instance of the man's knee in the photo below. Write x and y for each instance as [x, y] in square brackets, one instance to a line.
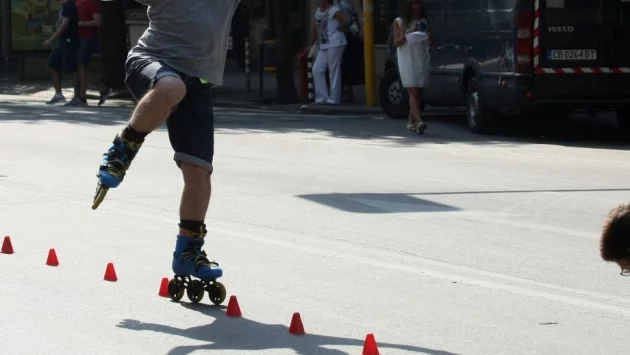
[195, 174]
[169, 90]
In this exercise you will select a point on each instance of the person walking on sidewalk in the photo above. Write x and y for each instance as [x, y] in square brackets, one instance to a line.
[89, 22]
[353, 62]
[64, 57]
[328, 35]
[411, 37]
[170, 72]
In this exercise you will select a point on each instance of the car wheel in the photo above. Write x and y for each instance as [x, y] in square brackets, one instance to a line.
[480, 119]
[393, 97]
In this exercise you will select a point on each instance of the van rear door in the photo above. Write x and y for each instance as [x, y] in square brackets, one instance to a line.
[621, 37]
[583, 36]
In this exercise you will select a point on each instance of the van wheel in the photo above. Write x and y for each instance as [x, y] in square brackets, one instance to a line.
[623, 119]
[394, 98]
[480, 119]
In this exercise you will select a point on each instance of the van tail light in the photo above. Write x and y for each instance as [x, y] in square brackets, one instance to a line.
[524, 49]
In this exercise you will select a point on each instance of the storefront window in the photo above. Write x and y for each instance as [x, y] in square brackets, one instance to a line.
[32, 22]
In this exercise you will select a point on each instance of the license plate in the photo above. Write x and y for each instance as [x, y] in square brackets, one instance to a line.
[572, 54]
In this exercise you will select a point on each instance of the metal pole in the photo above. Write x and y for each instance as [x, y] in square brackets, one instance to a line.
[311, 87]
[248, 83]
[261, 67]
[5, 31]
[368, 37]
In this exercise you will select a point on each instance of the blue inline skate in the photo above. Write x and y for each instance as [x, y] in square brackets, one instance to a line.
[190, 261]
[115, 164]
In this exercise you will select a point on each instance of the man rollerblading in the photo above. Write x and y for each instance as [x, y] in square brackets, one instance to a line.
[169, 73]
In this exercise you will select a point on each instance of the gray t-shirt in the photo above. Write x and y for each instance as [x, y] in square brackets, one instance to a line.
[188, 35]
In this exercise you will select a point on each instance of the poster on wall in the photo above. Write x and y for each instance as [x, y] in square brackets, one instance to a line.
[32, 22]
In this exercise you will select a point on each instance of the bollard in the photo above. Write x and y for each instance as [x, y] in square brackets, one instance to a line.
[261, 67]
[303, 68]
[311, 86]
[248, 83]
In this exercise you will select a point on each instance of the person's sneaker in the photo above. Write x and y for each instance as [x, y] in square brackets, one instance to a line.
[56, 99]
[105, 95]
[77, 102]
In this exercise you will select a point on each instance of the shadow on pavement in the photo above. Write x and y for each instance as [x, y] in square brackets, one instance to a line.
[225, 333]
[10, 87]
[407, 202]
[518, 191]
[445, 127]
[39, 113]
[377, 203]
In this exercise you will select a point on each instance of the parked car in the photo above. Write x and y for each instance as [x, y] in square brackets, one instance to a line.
[524, 57]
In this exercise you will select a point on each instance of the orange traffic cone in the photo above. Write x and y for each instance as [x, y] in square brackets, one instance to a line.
[164, 288]
[52, 258]
[7, 246]
[110, 273]
[296, 327]
[233, 309]
[369, 347]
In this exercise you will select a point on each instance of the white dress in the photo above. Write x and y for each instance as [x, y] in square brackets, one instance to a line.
[414, 59]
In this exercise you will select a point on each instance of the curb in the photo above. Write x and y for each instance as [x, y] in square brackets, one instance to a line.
[258, 105]
[341, 110]
[126, 101]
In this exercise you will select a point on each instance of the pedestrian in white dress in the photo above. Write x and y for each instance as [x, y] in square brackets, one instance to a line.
[329, 37]
[412, 39]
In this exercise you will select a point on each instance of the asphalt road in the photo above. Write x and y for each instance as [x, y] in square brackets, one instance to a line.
[449, 243]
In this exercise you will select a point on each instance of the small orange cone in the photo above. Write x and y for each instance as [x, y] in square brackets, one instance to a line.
[296, 327]
[233, 309]
[52, 258]
[7, 247]
[369, 347]
[164, 288]
[110, 273]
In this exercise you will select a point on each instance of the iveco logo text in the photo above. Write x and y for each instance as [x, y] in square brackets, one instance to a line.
[561, 29]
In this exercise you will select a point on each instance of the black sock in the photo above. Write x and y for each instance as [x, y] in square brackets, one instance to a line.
[132, 135]
[197, 227]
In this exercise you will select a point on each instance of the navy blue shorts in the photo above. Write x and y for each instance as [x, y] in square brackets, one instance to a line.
[191, 124]
[65, 56]
[87, 48]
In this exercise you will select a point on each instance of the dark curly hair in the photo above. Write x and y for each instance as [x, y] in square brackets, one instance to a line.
[615, 238]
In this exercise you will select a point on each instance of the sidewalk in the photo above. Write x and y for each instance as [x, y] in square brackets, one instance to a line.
[233, 93]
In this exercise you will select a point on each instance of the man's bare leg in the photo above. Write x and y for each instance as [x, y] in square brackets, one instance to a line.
[55, 77]
[83, 82]
[155, 107]
[152, 110]
[195, 196]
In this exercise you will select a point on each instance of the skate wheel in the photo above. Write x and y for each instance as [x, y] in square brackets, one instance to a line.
[176, 290]
[195, 291]
[101, 191]
[216, 293]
